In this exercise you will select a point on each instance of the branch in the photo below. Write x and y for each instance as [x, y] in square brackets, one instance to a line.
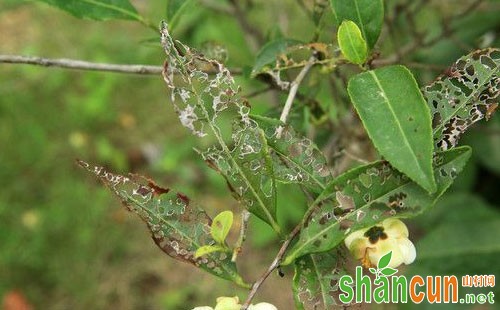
[80, 65]
[293, 91]
[86, 65]
[277, 260]
[275, 264]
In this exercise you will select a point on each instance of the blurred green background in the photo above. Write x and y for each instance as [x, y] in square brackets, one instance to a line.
[65, 242]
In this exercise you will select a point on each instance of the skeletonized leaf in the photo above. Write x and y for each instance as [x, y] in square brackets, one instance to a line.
[221, 225]
[206, 101]
[367, 14]
[296, 159]
[397, 119]
[177, 227]
[366, 195]
[468, 92]
[315, 282]
[351, 42]
[97, 9]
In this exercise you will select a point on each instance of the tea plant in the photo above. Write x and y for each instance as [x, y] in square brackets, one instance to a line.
[414, 129]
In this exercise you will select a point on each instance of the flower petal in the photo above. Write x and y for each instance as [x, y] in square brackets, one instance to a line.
[358, 234]
[262, 306]
[395, 228]
[382, 247]
[407, 250]
[203, 308]
[228, 303]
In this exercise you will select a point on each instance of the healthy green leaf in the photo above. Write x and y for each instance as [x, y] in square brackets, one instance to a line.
[208, 249]
[270, 52]
[221, 225]
[468, 92]
[204, 104]
[316, 281]
[397, 120]
[351, 42]
[367, 195]
[177, 227]
[367, 14]
[97, 9]
[384, 260]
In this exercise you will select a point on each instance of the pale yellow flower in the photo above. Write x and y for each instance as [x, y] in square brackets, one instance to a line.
[369, 245]
[232, 303]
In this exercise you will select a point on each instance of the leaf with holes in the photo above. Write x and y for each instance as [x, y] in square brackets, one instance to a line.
[97, 9]
[204, 103]
[221, 225]
[468, 92]
[296, 159]
[176, 226]
[367, 14]
[351, 42]
[315, 282]
[397, 119]
[367, 195]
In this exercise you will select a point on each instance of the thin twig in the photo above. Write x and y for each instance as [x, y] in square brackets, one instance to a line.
[293, 91]
[277, 260]
[275, 264]
[86, 65]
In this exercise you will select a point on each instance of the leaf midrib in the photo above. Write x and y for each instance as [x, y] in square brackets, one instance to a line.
[321, 283]
[323, 231]
[218, 262]
[405, 139]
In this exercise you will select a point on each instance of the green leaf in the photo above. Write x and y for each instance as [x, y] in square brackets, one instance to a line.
[351, 42]
[315, 279]
[367, 14]
[177, 227]
[208, 249]
[397, 120]
[384, 260]
[204, 104]
[175, 8]
[365, 196]
[388, 271]
[221, 225]
[98, 9]
[270, 52]
[468, 92]
[296, 159]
